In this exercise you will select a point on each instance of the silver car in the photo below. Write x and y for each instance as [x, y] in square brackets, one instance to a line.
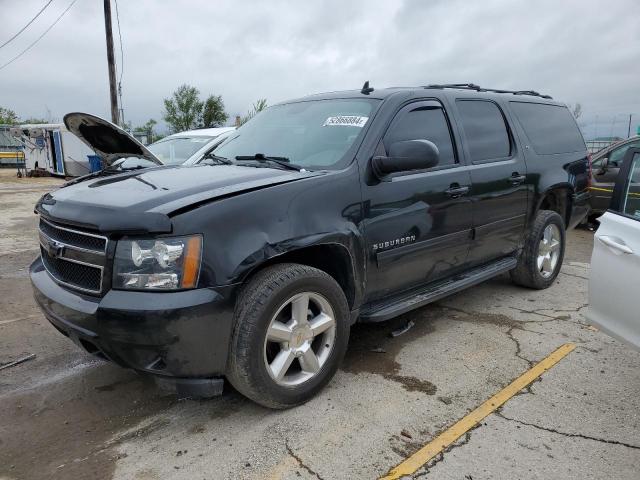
[615, 263]
[188, 147]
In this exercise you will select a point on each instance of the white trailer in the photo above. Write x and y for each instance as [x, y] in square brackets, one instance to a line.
[53, 148]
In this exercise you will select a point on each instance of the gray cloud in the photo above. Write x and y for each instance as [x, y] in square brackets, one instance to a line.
[577, 51]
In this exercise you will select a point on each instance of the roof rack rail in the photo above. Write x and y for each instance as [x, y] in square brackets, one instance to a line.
[477, 88]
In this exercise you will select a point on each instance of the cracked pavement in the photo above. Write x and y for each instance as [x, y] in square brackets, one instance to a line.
[67, 415]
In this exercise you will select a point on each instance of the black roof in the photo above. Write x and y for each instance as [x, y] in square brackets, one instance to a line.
[438, 90]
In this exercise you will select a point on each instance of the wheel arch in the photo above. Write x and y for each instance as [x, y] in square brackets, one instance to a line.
[557, 198]
[334, 259]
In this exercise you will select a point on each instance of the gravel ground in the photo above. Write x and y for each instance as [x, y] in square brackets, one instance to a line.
[66, 415]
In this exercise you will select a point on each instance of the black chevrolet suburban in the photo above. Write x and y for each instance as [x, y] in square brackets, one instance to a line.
[352, 206]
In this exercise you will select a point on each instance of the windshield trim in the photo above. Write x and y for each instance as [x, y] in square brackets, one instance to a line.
[168, 139]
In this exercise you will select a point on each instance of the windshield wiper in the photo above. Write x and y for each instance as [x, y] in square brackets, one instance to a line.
[216, 158]
[282, 161]
[118, 168]
[100, 173]
[110, 170]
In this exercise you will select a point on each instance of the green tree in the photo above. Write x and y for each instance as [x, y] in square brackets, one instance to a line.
[150, 125]
[34, 120]
[148, 128]
[259, 106]
[213, 114]
[8, 116]
[183, 110]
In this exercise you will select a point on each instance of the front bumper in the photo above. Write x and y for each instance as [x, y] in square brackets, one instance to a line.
[179, 335]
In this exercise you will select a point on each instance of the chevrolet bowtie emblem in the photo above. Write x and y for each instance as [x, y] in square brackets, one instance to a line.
[55, 249]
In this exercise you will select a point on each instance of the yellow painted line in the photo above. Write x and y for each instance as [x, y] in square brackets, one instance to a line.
[458, 429]
[597, 189]
[11, 155]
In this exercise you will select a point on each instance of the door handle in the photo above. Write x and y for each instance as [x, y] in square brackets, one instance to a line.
[517, 179]
[455, 190]
[610, 242]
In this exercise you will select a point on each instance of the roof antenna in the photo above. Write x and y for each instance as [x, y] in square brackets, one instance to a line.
[366, 89]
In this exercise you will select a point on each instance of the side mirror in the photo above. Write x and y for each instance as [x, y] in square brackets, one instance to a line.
[407, 155]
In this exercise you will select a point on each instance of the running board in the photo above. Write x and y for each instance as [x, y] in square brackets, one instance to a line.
[382, 310]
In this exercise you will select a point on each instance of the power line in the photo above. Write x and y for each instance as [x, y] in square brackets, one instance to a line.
[25, 27]
[39, 38]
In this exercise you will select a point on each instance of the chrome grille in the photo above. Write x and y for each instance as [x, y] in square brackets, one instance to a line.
[72, 257]
[73, 237]
[73, 274]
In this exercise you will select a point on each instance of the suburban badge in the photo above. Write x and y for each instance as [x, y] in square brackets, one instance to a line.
[394, 243]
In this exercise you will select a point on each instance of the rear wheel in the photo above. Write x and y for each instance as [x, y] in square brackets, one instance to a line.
[291, 333]
[543, 252]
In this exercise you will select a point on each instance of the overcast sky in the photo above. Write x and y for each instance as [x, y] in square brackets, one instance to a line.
[583, 51]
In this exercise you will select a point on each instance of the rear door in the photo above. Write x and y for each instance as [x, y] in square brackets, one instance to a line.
[615, 263]
[604, 173]
[498, 178]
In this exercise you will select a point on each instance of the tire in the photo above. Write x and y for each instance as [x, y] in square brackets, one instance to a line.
[528, 272]
[268, 298]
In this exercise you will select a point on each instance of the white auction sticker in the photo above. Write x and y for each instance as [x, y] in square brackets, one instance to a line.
[345, 121]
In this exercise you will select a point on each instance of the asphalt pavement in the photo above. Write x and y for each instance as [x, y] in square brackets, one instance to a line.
[67, 415]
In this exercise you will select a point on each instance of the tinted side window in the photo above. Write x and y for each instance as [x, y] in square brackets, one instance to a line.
[423, 123]
[484, 127]
[616, 156]
[550, 128]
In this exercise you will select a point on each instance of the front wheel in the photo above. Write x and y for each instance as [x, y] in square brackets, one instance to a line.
[291, 332]
[543, 252]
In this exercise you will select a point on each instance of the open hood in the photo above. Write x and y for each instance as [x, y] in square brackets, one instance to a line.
[106, 139]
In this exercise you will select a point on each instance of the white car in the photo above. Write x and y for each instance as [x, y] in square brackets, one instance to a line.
[188, 147]
[615, 263]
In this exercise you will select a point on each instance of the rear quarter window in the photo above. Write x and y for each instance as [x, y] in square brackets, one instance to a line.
[551, 128]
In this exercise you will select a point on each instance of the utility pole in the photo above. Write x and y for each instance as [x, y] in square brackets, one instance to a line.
[111, 62]
[629, 129]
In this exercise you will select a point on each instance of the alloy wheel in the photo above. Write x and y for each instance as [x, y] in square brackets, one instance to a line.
[300, 339]
[549, 250]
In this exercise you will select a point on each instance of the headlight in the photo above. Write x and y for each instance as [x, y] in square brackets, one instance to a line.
[171, 263]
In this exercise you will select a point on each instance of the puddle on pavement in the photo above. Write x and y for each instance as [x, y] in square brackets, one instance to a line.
[66, 431]
[496, 319]
[372, 349]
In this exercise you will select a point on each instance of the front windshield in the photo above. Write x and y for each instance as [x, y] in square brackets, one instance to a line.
[172, 151]
[313, 134]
